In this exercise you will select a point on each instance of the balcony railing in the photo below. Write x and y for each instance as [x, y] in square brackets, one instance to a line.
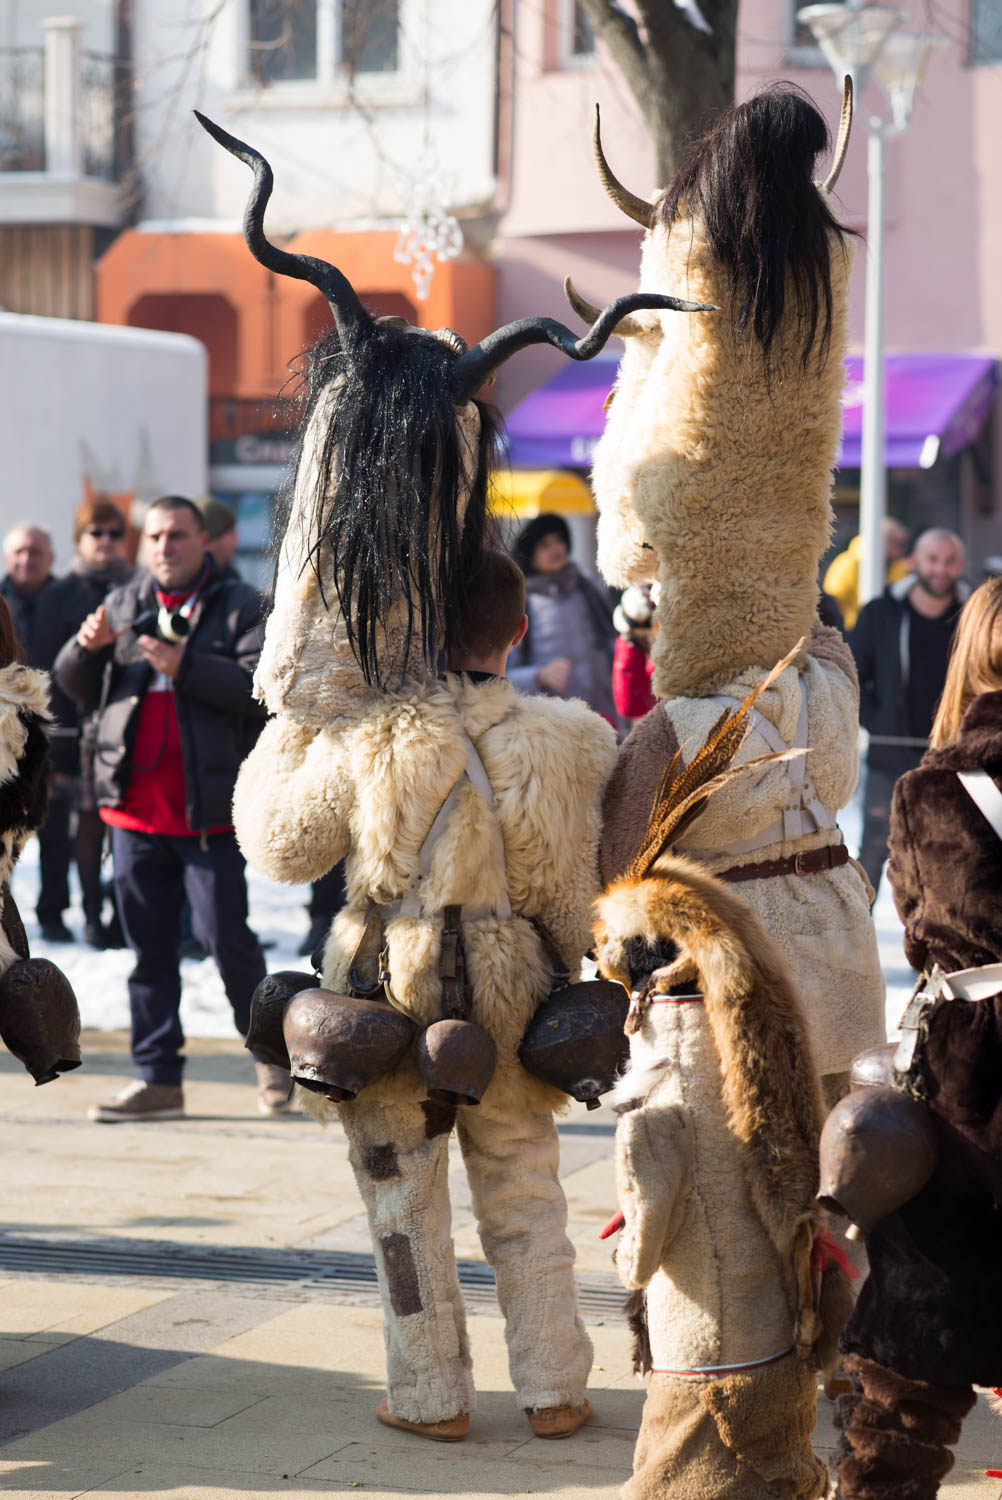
[22, 109]
[57, 108]
[97, 115]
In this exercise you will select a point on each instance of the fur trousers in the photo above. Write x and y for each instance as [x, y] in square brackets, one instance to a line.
[732, 1437]
[400, 1156]
[895, 1433]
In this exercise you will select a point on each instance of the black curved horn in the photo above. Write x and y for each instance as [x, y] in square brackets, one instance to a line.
[350, 317]
[476, 366]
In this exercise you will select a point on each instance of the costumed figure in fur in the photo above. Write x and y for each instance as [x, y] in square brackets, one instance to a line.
[714, 473]
[469, 819]
[39, 1020]
[742, 1297]
[914, 1154]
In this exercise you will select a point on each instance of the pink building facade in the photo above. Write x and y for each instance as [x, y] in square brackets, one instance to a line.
[943, 236]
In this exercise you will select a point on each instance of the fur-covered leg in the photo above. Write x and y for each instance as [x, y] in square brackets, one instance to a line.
[512, 1157]
[737, 1437]
[401, 1167]
[895, 1433]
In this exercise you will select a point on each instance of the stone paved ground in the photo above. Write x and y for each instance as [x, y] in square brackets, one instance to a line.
[123, 1379]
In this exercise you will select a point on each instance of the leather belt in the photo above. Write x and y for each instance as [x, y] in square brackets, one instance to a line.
[808, 863]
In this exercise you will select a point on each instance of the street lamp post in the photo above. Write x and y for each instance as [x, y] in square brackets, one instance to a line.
[860, 39]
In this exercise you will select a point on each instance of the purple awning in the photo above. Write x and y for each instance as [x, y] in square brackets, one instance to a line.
[936, 405]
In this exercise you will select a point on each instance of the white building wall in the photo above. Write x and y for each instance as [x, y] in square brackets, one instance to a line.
[337, 149]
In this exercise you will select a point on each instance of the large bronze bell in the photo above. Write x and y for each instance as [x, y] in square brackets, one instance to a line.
[265, 1037]
[39, 1019]
[576, 1039]
[339, 1044]
[878, 1149]
[457, 1060]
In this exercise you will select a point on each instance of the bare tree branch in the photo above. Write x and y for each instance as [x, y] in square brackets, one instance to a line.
[680, 75]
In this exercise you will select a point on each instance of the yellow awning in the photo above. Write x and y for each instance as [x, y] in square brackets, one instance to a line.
[530, 492]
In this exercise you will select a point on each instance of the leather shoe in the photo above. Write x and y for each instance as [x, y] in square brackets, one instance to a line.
[558, 1421]
[452, 1430]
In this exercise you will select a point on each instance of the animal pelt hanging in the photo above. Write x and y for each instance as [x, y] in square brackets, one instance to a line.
[714, 470]
[667, 926]
[388, 511]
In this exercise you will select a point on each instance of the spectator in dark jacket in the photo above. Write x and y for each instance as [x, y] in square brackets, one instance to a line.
[99, 565]
[46, 611]
[568, 648]
[928, 1323]
[169, 659]
[901, 643]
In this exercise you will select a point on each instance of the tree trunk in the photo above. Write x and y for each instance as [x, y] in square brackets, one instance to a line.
[680, 75]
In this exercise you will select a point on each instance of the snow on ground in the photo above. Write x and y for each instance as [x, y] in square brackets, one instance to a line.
[278, 915]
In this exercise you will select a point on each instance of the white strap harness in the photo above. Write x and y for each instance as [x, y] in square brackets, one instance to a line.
[804, 811]
[410, 904]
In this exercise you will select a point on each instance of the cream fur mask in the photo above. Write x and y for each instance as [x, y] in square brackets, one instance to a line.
[387, 517]
[714, 470]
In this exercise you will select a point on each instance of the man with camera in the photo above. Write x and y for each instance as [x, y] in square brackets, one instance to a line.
[168, 662]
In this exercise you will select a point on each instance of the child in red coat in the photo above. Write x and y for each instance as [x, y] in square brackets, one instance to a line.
[632, 667]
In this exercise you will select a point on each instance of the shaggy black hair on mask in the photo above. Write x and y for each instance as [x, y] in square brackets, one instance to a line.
[393, 472]
[750, 181]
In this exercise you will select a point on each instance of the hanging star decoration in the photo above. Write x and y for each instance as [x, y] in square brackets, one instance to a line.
[428, 234]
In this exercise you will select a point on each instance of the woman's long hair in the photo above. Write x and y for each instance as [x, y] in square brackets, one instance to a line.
[750, 181]
[10, 646]
[975, 660]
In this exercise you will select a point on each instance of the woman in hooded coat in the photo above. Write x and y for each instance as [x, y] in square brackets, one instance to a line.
[568, 647]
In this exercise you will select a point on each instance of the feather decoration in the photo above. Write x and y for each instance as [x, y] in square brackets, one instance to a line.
[682, 796]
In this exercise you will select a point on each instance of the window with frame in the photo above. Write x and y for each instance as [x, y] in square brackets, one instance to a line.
[986, 31]
[582, 37]
[291, 41]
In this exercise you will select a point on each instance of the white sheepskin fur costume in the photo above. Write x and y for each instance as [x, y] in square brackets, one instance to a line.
[725, 475]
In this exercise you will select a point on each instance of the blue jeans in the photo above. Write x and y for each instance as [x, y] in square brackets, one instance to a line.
[154, 875]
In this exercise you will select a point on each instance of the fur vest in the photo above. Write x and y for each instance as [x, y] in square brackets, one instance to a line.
[369, 787]
[24, 775]
[821, 922]
[946, 862]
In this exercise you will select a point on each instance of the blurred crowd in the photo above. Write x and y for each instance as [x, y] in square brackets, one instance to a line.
[141, 767]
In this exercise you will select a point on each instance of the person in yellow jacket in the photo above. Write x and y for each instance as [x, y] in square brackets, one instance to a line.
[842, 577]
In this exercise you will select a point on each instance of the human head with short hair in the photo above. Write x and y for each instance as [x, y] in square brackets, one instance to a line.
[28, 554]
[99, 530]
[896, 537]
[220, 527]
[938, 558]
[175, 542]
[495, 619]
[975, 660]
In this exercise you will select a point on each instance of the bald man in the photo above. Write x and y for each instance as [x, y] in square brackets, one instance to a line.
[46, 611]
[901, 643]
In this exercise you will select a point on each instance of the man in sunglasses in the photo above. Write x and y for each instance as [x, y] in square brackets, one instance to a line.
[99, 565]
